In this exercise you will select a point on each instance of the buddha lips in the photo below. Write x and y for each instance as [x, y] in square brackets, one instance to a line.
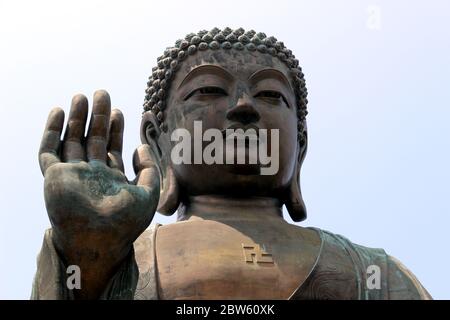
[231, 146]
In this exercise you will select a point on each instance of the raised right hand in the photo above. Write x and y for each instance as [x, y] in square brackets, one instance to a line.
[95, 212]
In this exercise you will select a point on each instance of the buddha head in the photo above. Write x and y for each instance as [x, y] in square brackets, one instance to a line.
[227, 79]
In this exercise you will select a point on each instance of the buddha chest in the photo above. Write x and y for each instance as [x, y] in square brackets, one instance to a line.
[205, 259]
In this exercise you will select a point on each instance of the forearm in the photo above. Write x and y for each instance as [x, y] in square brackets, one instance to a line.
[55, 280]
[96, 259]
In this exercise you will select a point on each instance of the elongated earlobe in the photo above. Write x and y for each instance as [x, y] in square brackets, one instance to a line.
[169, 196]
[294, 203]
[169, 191]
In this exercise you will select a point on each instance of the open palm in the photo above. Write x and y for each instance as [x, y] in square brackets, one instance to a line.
[95, 212]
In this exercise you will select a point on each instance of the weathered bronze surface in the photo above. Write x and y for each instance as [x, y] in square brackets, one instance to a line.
[230, 240]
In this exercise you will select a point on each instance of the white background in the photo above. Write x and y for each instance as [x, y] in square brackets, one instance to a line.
[377, 169]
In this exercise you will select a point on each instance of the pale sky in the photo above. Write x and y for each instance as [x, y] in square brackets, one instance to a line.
[377, 72]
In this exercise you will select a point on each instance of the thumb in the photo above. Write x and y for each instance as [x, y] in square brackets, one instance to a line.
[145, 167]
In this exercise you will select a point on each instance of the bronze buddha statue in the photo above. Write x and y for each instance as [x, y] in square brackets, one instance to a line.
[230, 240]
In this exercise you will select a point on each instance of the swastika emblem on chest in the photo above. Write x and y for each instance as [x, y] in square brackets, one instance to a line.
[253, 253]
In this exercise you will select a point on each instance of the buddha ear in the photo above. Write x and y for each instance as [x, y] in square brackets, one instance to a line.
[295, 204]
[169, 190]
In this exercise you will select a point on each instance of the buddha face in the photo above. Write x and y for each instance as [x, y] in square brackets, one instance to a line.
[230, 89]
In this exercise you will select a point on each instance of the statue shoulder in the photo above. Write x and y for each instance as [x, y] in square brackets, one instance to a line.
[403, 284]
[346, 270]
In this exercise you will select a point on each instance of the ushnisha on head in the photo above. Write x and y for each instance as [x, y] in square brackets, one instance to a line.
[240, 65]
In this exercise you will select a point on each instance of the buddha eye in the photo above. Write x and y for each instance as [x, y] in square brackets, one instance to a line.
[272, 96]
[269, 94]
[207, 91]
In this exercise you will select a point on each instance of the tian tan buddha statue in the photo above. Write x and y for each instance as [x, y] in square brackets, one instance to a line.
[230, 240]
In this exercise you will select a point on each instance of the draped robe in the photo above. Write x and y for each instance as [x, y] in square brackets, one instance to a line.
[340, 272]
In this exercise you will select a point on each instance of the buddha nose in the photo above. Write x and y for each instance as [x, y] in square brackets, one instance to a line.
[244, 111]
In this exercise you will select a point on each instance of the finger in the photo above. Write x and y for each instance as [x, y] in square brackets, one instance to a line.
[145, 167]
[149, 179]
[143, 158]
[115, 143]
[72, 145]
[98, 127]
[48, 151]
